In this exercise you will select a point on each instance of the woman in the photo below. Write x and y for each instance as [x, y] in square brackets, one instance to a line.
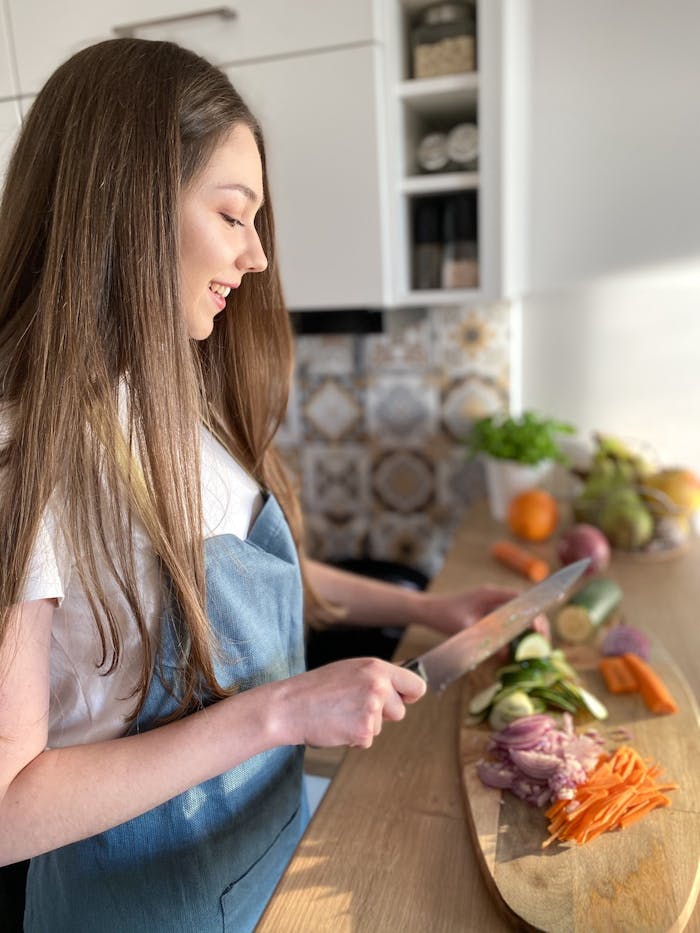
[153, 703]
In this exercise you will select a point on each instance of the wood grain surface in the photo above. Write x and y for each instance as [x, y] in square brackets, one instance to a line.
[643, 879]
[389, 848]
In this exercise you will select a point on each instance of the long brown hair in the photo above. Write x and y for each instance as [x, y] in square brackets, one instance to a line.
[90, 300]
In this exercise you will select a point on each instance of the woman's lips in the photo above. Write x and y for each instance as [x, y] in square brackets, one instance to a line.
[220, 292]
[218, 300]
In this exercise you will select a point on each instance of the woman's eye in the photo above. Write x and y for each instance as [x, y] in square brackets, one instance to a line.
[231, 221]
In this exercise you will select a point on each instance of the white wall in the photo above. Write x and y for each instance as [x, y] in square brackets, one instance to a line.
[611, 291]
[622, 357]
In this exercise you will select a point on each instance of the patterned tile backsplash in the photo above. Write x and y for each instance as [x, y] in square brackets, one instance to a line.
[375, 426]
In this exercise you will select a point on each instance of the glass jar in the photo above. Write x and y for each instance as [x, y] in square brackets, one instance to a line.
[462, 147]
[460, 254]
[443, 41]
[431, 154]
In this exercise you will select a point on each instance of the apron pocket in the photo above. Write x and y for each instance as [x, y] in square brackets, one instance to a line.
[244, 900]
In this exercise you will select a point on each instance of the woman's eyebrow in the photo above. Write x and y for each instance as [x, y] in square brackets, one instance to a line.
[244, 189]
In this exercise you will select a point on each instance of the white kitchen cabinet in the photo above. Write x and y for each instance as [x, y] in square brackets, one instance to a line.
[45, 34]
[322, 122]
[312, 72]
[9, 128]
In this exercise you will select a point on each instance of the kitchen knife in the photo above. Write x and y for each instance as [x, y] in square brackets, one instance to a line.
[464, 651]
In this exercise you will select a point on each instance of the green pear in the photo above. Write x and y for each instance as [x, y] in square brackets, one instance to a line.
[625, 520]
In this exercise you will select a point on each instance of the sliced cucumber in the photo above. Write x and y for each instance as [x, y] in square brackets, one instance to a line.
[559, 663]
[552, 698]
[513, 706]
[481, 701]
[533, 645]
[593, 704]
[522, 676]
[574, 624]
[587, 609]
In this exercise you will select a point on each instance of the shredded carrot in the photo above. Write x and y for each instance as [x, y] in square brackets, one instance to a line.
[652, 688]
[620, 790]
[617, 675]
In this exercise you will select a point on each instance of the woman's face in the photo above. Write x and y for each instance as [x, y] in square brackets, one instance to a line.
[218, 240]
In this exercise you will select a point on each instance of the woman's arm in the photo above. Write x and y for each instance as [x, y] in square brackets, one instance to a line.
[370, 602]
[50, 797]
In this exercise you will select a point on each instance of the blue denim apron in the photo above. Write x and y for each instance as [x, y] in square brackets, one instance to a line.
[209, 859]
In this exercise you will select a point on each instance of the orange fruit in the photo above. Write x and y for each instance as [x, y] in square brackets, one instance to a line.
[533, 515]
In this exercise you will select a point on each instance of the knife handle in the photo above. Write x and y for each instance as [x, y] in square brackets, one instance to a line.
[415, 665]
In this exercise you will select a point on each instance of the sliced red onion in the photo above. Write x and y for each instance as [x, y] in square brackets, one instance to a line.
[538, 760]
[494, 774]
[525, 731]
[535, 764]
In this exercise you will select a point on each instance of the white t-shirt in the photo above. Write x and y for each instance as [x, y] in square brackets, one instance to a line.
[87, 706]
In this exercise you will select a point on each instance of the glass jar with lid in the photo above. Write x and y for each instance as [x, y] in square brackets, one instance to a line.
[443, 40]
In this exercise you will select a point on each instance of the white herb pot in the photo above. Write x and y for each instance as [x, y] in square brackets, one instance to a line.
[506, 478]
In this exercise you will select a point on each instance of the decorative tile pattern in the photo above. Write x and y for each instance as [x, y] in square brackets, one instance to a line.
[467, 399]
[404, 480]
[402, 409]
[336, 479]
[469, 339]
[407, 539]
[458, 479]
[332, 409]
[328, 539]
[327, 355]
[375, 428]
[409, 350]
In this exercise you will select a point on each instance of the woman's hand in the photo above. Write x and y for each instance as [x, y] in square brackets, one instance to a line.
[344, 703]
[451, 612]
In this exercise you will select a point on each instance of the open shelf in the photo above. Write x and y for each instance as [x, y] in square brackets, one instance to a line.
[440, 96]
[440, 183]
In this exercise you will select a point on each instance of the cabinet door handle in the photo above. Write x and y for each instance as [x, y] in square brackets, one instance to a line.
[128, 30]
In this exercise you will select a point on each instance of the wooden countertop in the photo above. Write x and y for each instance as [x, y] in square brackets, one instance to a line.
[388, 850]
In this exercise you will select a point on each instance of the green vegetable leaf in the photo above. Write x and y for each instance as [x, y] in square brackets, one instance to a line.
[529, 438]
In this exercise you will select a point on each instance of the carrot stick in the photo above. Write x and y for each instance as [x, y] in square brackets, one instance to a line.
[520, 560]
[619, 791]
[654, 691]
[617, 676]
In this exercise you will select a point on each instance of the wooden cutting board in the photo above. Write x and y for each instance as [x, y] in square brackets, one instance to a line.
[644, 879]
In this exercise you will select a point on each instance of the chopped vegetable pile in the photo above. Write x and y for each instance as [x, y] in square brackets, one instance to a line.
[539, 761]
[628, 673]
[618, 792]
[539, 678]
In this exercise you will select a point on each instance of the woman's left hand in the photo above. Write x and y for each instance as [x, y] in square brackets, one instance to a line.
[451, 612]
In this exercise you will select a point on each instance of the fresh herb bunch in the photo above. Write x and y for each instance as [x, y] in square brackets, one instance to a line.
[528, 438]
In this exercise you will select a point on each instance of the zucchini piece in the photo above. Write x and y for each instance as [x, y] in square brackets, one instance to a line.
[510, 707]
[586, 611]
[592, 703]
[561, 665]
[552, 698]
[532, 645]
[523, 676]
[481, 701]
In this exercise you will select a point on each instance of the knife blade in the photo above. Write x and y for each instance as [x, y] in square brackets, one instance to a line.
[468, 648]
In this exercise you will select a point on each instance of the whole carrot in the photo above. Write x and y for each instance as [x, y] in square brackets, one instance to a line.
[654, 691]
[520, 560]
[617, 675]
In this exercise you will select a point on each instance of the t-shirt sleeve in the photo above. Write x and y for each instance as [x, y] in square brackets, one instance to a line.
[47, 574]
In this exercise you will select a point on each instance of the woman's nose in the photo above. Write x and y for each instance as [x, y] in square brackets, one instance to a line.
[254, 258]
